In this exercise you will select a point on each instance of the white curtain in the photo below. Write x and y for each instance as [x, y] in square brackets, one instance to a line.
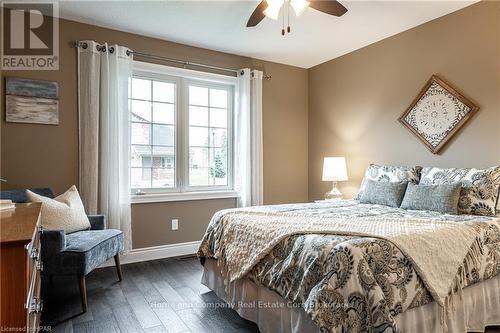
[104, 71]
[248, 138]
[89, 69]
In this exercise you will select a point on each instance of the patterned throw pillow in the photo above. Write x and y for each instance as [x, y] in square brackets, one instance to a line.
[389, 173]
[479, 194]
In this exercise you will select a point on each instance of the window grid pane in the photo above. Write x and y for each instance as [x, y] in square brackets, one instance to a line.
[216, 145]
[152, 119]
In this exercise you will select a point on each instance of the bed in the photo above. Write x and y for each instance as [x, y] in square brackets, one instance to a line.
[345, 266]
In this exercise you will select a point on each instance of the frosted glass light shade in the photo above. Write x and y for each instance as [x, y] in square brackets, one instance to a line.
[273, 8]
[299, 6]
[334, 169]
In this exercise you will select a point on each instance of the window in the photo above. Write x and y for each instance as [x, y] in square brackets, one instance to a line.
[208, 140]
[152, 126]
[181, 132]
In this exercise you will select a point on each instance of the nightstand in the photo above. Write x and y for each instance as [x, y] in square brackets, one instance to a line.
[326, 200]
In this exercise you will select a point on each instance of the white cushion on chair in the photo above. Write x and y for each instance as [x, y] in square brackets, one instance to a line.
[65, 212]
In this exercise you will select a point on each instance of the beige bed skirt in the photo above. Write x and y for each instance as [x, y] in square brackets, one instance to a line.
[478, 308]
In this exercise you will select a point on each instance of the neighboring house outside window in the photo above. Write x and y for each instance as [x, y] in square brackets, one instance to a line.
[181, 133]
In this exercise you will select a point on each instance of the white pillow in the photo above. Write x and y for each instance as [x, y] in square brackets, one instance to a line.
[64, 212]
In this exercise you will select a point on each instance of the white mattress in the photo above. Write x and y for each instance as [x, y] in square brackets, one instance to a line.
[479, 307]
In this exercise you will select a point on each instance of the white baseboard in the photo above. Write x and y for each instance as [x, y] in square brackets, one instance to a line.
[157, 252]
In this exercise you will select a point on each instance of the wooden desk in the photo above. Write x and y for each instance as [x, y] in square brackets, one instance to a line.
[20, 266]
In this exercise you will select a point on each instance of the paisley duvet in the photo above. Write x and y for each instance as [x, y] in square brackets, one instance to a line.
[353, 283]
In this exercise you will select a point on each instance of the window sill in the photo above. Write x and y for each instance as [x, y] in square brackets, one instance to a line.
[185, 196]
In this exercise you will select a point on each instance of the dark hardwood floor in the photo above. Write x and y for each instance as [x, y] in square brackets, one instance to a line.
[155, 296]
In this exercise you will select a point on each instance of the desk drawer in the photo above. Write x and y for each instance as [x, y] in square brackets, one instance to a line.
[34, 303]
[19, 268]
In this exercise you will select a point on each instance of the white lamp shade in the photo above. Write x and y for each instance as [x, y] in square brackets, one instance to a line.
[334, 169]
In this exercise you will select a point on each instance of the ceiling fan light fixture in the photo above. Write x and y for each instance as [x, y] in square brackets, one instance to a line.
[299, 6]
[273, 8]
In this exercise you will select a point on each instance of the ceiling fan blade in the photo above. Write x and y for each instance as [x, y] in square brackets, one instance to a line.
[258, 14]
[331, 7]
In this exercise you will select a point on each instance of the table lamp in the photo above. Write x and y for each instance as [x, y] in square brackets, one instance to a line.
[334, 170]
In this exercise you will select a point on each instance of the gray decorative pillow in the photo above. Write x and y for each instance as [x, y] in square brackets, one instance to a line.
[383, 193]
[438, 198]
[479, 194]
[392, 174]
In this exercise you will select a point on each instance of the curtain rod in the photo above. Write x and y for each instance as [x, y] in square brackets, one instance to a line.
[76, 44]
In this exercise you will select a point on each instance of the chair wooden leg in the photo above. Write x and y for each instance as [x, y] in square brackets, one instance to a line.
[83, 293]
[118, 267]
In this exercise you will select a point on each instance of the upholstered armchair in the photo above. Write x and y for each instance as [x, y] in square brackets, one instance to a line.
[76, 253]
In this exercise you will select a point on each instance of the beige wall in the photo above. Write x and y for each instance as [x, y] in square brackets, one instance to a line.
[152, 222]
[355, 100]
[285, 135]
[43, 155]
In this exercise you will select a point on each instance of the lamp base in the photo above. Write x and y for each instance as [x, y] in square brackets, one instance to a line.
[334, 193]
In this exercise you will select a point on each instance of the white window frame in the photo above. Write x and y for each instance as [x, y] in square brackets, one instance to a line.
[183, 78]
[169, 79]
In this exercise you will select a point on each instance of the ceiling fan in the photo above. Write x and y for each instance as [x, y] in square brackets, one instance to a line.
[272, 8]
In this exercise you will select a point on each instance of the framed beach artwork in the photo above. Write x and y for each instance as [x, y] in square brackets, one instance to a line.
[31, 101]
[437, 113]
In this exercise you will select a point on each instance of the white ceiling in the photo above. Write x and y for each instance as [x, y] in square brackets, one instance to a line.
[220, 25]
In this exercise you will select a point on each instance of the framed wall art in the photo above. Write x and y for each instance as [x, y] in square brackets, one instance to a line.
[437, 113]
[31, 101]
